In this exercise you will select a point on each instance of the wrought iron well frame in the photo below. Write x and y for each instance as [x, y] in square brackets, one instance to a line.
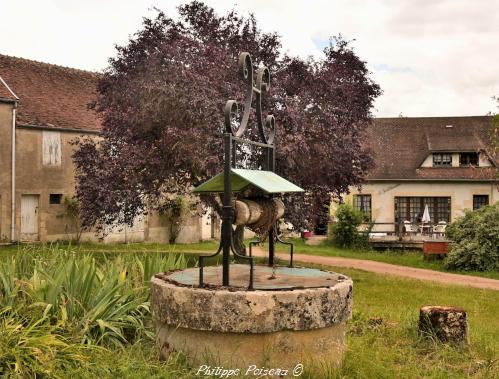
[231, 137]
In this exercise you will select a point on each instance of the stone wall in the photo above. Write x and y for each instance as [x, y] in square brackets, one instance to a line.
[5, 169]
[41, 175]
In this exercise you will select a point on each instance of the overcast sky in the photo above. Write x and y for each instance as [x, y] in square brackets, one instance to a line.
[431, 57]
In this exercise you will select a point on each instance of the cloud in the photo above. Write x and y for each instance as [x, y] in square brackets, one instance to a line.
[383, 67]
[321, 43]
[431, 57]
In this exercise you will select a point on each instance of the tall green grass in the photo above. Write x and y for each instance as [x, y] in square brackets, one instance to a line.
[55, 304]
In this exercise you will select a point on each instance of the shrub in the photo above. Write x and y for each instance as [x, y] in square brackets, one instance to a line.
[73, 213]
[175, 211]
[476, 240]
[345, 228]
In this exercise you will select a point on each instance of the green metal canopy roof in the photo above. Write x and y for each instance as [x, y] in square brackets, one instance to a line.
[267, 181]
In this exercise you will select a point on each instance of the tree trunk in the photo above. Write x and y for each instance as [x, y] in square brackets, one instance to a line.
[448, 324]
[238, 236]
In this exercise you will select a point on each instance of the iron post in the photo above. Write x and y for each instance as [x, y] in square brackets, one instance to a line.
[227, 210]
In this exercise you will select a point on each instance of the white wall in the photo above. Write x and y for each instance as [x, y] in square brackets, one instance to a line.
[483, 160]
[461, 193]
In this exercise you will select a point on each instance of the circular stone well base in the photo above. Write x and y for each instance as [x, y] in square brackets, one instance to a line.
[298, 317]
[314, 348]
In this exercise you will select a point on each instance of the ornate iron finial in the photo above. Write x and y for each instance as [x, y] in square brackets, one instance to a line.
[262, 86]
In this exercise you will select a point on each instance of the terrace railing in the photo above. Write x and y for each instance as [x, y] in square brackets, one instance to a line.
[397, 229]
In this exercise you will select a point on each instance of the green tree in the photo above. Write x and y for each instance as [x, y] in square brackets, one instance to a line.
[494, 132]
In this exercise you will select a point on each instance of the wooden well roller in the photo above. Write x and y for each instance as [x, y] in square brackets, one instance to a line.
[249, 212]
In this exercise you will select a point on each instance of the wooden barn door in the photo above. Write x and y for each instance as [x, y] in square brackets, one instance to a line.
[29, 218]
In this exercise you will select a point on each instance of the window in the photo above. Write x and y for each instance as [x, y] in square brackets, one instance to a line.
[363, 203]
[51, 149]
[479, 201]
[468, 159]
[412, 208]
[55, 198]
[442, 160]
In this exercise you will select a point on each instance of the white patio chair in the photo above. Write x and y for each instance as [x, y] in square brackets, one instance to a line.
[410, 228]
[439, 229]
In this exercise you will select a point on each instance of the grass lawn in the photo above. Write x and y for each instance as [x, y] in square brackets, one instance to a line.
[111, 250]
[382, 338]
[391, 348]
[411, 258]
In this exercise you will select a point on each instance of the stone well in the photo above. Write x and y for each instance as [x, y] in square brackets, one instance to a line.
[294, 316]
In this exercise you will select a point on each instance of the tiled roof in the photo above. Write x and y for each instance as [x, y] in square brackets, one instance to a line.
[457, 173]
[50, 95]
[5, 92]
[447, 140]
[400, 145]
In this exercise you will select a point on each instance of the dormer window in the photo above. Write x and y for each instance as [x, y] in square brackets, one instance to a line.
[442, 160]
[468, 159]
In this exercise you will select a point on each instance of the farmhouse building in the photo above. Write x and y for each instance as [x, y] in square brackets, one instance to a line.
[445, 164]
[43, 108]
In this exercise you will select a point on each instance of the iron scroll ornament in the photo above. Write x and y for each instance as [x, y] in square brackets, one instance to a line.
[262, 87]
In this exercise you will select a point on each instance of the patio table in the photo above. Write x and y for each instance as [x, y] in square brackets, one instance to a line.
[425, 228]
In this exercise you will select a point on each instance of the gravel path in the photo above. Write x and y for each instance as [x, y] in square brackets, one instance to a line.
[390, 269]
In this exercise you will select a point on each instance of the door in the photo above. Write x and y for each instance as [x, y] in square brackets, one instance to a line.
[29, 218]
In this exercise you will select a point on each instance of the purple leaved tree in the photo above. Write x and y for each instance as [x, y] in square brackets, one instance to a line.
[161, 103]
